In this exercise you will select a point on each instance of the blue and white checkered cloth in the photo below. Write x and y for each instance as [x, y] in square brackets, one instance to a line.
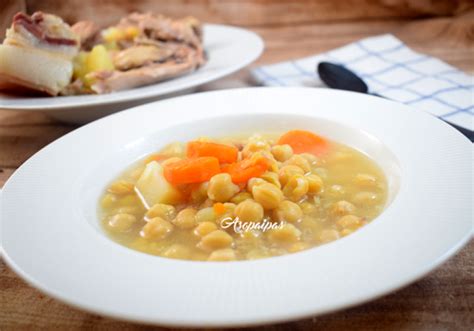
[392, 70]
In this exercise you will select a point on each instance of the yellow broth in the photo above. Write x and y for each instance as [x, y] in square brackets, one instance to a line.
[346, 191]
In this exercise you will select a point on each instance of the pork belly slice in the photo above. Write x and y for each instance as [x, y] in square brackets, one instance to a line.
[37, 53]
[44, 31]
[33, 68]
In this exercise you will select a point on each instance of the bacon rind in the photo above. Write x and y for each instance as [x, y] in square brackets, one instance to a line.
[31, 25]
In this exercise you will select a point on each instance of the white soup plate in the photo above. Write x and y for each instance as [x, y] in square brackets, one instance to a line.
[52, 238]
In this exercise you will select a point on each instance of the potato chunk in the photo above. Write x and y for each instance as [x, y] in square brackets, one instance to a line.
[153, 188]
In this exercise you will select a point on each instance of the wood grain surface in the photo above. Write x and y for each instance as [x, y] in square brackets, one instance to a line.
[443, 300]
[254, 12]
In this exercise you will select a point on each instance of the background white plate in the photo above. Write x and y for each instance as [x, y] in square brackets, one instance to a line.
[51, 235]
[228, 49]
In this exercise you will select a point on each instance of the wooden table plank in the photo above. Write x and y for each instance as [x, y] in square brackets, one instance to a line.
[442, 300]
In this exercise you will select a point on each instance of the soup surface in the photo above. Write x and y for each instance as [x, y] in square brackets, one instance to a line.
[245, 197]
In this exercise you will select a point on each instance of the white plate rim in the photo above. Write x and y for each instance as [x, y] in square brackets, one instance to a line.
[176, 322]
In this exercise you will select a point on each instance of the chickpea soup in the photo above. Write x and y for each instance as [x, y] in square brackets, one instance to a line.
[240, 198]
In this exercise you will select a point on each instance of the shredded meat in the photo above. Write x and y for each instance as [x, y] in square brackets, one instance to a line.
[162, 28]
[88, 33]
[155, 72]
[140, 55]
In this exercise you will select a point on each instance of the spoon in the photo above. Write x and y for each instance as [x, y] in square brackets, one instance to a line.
[341, 78]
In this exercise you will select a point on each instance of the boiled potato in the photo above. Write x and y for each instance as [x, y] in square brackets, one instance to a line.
[154, 188]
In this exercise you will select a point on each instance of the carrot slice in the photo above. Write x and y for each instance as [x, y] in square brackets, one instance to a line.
[242, 171]
[224, 153]
[188, 171]
[219, 208]
[304, 142]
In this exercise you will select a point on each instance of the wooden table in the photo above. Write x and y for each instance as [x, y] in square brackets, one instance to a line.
[443, 300]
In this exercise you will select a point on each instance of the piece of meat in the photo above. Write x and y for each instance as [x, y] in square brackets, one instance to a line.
[88, 33]
[123, 80]
[75, 88]
[162, 28]
[43, 31]
[46, 28]
[37, 53]
[33, 68]
[107, 82]
[140, 55]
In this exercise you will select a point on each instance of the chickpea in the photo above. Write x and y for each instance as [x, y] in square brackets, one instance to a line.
[255, 144]
[299, 161]
[296, 188]
[268, 195]
[274, 164]
[365, 199]
[130, 200]
[308, 208]
[221, 188]
[242, 196]
[133, 210]
[272, 178]
[282, 152]
[321, 172]
[166, 212]
[365, 180]
[254, 182]
[336, 190]
[315, 184]
[230, 207]
[342, 208]
[350, 222]
[122, 222]
[186, 218]
[298, 247]
[206, 203]
[206, 215]
[205, 228]
[121, 187]
[288, 211]
[287, 233]
[287, 171]
[156, 228]
[346, 232]
[215, 240]
[312, 159]
[228, 213]
[328, 236]
[199, 194]
[251, 235]
[177, 251]
[249, 211]
[108, 201]
[226, 254]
